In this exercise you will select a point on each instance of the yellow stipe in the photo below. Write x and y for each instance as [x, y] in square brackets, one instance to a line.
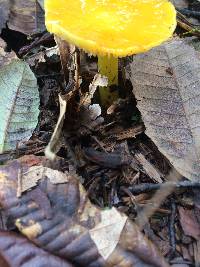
[108, 66]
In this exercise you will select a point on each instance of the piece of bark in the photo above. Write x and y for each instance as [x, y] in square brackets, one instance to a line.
[108, 160]
[76, 230]
[148, 168]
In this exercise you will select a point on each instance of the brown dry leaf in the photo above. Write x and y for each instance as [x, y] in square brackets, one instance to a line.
[16, 251]
[4, 13]
[161, 241]
[31, 178]
[189, 223]
[5, 57]
[180, 3]
[185, 253]
[73, 228]
[166, 85]
[26, 16]
[23, 16]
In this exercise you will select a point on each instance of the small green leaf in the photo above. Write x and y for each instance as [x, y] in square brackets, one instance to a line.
[19, 104]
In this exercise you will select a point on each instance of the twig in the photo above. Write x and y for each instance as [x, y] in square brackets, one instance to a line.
[172, 228]
[187, 26]
[132, 197]
[45, 38]
[149, 187]
[108, 160]
[158, 198]
[19, 183]
[187, 12]
[99, 143]
[50, 75]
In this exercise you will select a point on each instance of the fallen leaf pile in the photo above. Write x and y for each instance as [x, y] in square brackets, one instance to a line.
[59, 218]
[105, 194]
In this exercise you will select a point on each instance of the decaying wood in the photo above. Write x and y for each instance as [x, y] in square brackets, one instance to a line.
[148, 168]
[65, 56]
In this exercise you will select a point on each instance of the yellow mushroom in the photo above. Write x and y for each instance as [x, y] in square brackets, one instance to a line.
[111, 28]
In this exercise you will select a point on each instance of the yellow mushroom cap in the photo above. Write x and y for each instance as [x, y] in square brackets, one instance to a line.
[117, 27]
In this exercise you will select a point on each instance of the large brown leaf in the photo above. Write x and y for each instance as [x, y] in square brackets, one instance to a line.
[23, 16]
[61, 219]
[180, 3]
[4, 13]
[16, 251]
[166, 83]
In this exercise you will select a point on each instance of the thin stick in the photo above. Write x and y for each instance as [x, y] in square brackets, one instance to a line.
[172, 234]
[19, 183]
[158, 199]
[149, 187]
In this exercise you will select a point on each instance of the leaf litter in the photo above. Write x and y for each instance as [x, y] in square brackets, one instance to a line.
[108, 236]
[45, 199]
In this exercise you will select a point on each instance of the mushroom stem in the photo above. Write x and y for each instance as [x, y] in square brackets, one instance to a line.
[108, 66]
